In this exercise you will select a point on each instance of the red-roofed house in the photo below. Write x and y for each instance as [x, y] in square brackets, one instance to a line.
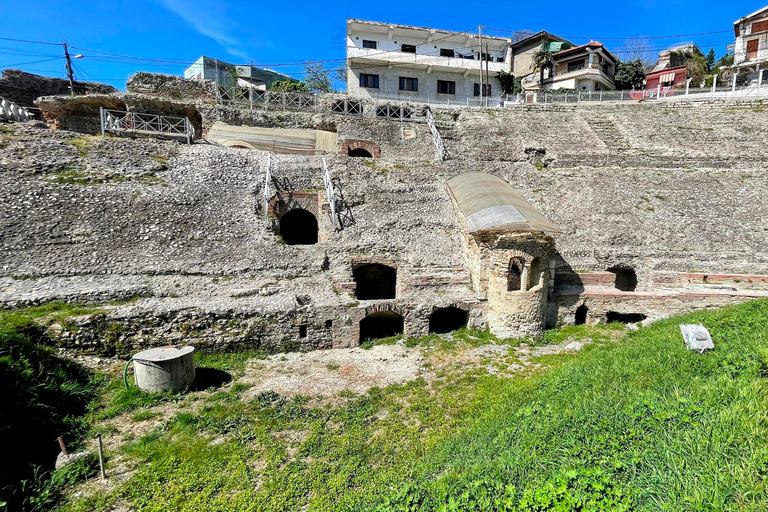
[670, 77]
[589, 67]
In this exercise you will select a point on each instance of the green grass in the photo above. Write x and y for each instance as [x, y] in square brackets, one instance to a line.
[635, 424]
[83, 145]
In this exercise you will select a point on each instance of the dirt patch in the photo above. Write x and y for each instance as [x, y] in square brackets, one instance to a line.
[328, 372]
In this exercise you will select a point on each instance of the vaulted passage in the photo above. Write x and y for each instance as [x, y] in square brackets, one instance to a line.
[626, 278]
[375, 281]
[514, 279]
[448, 319]
[624, 318]
[298, 227]
[361, 153]
[380, 325]
[581, 315]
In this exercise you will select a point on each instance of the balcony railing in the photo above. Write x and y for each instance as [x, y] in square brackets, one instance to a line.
[427, 61]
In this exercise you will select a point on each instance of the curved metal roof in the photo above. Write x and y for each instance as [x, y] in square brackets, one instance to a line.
[490, 203]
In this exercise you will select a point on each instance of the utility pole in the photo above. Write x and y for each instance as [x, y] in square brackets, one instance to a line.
[480, 55]
[69, 69]
[487, 78]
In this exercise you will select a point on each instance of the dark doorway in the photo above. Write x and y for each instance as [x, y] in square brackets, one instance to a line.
[448, 319]
[375, 281]
[626, 278]
[581, 315]
[380, 325]
[360, 153]
[535, 273]
[298, 227]
[624, 318]
[514, 281]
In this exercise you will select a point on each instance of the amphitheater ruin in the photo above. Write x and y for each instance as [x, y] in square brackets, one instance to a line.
[542, 215]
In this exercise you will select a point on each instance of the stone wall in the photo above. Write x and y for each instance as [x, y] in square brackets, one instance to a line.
[663, 190]
[24, 88]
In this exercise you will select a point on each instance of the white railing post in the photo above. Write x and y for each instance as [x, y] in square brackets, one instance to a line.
[714, 83]
[687, 85]
[101, 120]
[330, 192]
[266, 196]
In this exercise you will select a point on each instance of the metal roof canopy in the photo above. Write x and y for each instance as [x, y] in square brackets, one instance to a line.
[490, 203]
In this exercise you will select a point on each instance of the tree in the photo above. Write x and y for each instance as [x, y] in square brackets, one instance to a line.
[630, 74]
[697, 70]
[508, 82]
[288, 86]
[638, 48]
[542, 60]
[318, 79]
[711, 59]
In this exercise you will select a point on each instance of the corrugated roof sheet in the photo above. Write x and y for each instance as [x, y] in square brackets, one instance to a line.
[490, 203]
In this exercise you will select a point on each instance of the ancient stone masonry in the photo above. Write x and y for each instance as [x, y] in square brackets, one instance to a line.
[24, 88]
[673, 221]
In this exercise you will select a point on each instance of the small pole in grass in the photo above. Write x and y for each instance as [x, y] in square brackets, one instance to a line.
[101, 458]
[63, 447]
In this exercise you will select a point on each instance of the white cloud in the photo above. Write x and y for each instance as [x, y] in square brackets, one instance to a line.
[209, 23]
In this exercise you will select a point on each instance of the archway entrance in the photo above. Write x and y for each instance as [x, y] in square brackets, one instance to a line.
[515, 277]
[624, 318]
[298, 227]
[581, 315]
[445, 320]
[375, 281]
[626, 278]
[360, 153]
[380, 325]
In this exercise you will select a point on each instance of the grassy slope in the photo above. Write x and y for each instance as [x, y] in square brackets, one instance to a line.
[638, 425]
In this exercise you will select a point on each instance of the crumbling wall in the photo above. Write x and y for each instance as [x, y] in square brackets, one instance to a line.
[172, 87]
[24, 88]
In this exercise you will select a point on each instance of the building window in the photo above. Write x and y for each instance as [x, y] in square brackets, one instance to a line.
[409, 84]
[752, 48]
[369, 81]
[760, 26]
[408, 48]
[447, 52]
[576, 65]
[486, 90]
[446, 87]
[369, 44]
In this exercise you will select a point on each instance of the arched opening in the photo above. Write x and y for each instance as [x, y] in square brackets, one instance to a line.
[360, 153]
[535, 277]
[298, 227]
[514, 279]
[380, 325]
[581, 315]
[624, 318]
[375, 281]
[626, 278]
[445, 320]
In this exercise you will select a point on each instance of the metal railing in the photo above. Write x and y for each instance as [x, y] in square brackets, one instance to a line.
[267, 193]
[10, 111]
[117, 121]
[442, 153]
[331, 194]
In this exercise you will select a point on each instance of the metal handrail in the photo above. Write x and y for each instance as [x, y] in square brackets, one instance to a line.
[442, 153]
[122, 121]
[12, 112]
[330, 192]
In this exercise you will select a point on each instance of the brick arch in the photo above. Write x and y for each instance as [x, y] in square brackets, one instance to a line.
[305, 200]
[349, 145]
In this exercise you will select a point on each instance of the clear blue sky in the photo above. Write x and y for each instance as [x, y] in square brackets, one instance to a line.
[271, 33]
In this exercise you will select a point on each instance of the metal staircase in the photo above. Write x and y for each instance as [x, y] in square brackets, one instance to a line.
[442, 153]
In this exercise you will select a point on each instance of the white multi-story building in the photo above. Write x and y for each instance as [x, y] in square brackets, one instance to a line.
[751, 46]
[407, 63]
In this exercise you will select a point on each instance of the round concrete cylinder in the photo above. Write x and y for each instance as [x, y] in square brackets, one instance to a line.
[162, 369]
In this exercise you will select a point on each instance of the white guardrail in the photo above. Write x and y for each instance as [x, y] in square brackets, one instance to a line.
[10, 111]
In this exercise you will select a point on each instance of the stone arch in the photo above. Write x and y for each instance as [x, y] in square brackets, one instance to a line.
[448, 319]
[515, 274]
[382, 324]
[350, 146]
[299, 227]
[234, 143]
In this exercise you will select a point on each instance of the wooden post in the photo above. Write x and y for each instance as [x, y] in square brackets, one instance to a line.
[101, 458]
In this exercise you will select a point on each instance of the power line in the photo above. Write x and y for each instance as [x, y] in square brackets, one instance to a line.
[31, 62]
[677, 36]
[28, 41]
